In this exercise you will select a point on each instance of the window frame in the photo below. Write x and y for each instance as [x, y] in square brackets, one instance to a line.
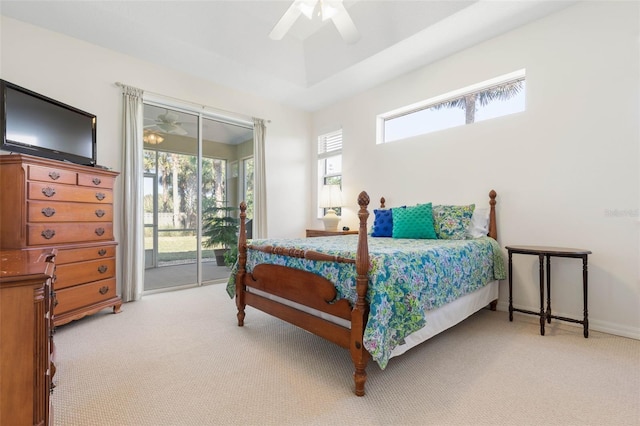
[381, 119]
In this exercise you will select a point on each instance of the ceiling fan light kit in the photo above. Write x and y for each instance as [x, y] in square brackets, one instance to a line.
[152, 138]
[327, 9]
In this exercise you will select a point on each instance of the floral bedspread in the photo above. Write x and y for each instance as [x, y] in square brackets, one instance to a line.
[407, 277]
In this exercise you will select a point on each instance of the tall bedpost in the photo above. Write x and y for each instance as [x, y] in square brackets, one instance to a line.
[242, 264]
[493, 228]
[360, 311]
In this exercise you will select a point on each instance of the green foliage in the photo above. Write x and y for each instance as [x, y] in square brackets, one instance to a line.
[231, 255]
[220, 227]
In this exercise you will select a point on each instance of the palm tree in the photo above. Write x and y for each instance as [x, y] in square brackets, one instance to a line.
[501, 92]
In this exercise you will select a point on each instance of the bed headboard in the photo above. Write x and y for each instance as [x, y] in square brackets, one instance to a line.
[493, 228]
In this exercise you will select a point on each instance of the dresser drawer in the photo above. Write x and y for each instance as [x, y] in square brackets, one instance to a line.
[52, 174]
[82, 254]
[95, 181]
[72, 274]
[51, 211]
[84, 295]
[60, 233]
[56, 192]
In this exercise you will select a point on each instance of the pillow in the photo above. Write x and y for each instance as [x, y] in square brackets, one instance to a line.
[479, 226]
[382, 224]
[452, 222]
[413, 222]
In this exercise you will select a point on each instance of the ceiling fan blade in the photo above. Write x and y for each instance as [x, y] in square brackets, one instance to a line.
[286, 22]
[172, 129]
[344, 24]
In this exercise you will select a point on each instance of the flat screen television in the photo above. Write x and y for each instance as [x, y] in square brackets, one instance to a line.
[35, 124]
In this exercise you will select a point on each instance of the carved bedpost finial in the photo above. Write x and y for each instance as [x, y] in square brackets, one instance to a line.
[363, 214]
[382, 201]
[363, 199]
[492, 197]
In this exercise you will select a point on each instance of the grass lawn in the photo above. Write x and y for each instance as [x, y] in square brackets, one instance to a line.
[177, 248]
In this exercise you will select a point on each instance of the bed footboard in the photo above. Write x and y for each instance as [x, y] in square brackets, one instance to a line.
[277, 290]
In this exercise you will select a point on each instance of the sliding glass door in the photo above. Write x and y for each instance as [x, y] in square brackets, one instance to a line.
[192, 181]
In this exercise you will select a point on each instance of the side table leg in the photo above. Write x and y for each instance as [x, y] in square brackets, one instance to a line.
[542, 315]
[510, 288]
[585, 290]
[548, 289]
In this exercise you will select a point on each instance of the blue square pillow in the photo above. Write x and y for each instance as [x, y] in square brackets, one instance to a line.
[382, 224]
[413, 222]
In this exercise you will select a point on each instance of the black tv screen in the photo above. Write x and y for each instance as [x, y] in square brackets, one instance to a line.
[37, 125]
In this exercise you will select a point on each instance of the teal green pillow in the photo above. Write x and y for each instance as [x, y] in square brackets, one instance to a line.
[452, 222]
[413, 222]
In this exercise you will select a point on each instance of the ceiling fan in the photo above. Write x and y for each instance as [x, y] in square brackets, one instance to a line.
[327, 9]
[168, 123]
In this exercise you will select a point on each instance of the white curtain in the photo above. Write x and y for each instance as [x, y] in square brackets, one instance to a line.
[132, 225]
[260, 180]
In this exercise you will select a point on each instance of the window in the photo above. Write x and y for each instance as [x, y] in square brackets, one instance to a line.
[329, 162]
[493, 98]
[247, 185]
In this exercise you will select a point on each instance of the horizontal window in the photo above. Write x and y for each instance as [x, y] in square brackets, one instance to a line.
[497, 97]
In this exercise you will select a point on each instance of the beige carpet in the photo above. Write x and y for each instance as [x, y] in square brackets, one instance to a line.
[178, 358]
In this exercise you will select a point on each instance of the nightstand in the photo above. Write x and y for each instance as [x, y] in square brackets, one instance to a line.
[323, 233]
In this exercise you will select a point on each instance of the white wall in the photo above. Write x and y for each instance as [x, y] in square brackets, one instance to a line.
[83, 75]
[559, 169]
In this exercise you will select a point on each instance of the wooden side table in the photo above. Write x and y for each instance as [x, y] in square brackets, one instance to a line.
[550, 252]
[323, 233]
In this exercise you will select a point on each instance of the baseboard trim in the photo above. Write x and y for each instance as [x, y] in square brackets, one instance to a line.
[594, 324]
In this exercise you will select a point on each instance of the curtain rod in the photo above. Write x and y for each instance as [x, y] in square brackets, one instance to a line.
[220, 111]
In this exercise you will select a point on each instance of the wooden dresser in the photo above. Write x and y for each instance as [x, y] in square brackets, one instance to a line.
[53, 204]
[26, 369]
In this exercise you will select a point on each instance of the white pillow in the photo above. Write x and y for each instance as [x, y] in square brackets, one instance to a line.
[479, 226]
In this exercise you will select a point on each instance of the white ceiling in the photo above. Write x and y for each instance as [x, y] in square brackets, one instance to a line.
[227, 42]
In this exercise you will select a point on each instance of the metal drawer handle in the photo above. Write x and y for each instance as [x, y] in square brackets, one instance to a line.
[102, 269]
[96, 181]
[100, 212]
[100, 196]
[48, 233]
[48, 191]
[99, 232]
[104, 290]
[102, 252]
[48, 211]
[54, 175]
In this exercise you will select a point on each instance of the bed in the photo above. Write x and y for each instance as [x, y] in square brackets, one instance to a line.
[376, 297]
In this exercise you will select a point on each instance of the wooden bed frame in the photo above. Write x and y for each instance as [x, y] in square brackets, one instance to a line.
[318, 292]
